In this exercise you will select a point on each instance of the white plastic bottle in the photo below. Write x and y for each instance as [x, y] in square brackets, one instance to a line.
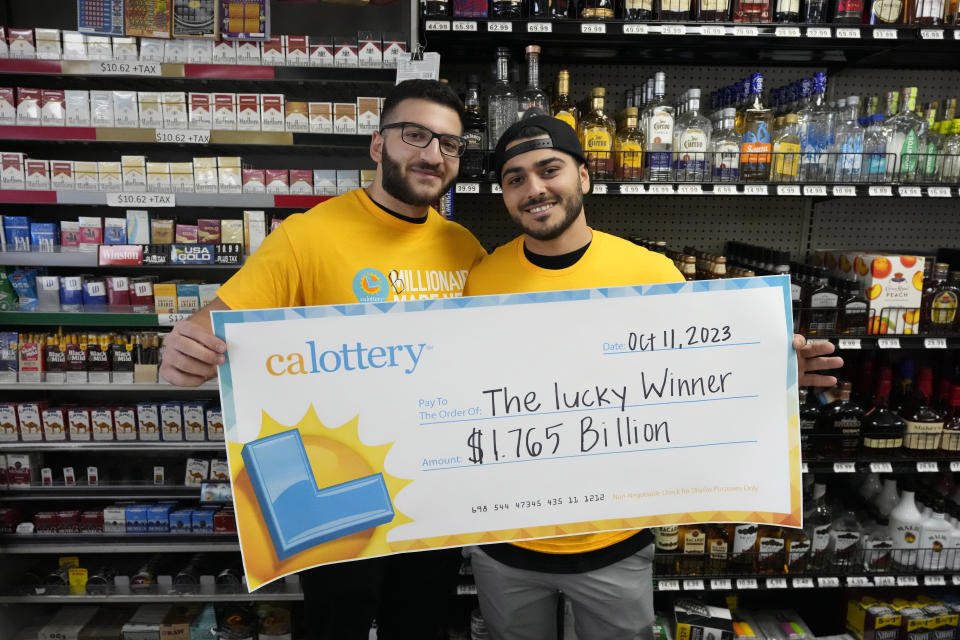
[888, 498]
[935, 537]
[905, 524]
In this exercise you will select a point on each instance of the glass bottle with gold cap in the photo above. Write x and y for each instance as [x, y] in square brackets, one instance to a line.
[597, 139]
[563, 108]
[532, 97]
[598, 10]
[628, 147]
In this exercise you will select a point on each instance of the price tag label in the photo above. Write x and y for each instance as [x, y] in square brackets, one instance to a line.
[690, 189]
[721, 584]
[956, 36]
[746, 31]
[635, 30]
[934, 581]
[539, 27]
[693, 585]
[746, 583]
[846, 191]
[755, 189]
[593, 27]
[816, 340]
[776, 583]
[105, 68]
[499, 27]
[848, 33]
[804, 467]
[464, 25]
[888, 343]
[673, 30]
[880, 191]
[803, 583]
[170, 319]
[859, 581]
[815, 190]
[828, 582]
[668, 585]
[660, 189]
[818, 32]
[884, 34]
[844, 467]
[935, 343]
[725, 190]
[788, 190]
[931, 34]
[787, 32]
[438, 25]
[495, 188]
[928, 467]
[955, 465]
[141, 200]
[907, 581]
[848, 343]
[632, 189]
[909, 192]
[938, 192]
[598, 189]
[182, 136]
[881, 467]
[956, 580]
[884, 581]
[714, 30]
[468, 187]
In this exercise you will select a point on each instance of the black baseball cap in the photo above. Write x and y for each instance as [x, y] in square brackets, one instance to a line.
[562, 137]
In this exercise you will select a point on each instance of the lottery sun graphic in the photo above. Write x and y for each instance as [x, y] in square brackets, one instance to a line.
[341, 466]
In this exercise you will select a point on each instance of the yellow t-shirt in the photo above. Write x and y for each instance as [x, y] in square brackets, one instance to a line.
[348, 249]
[608, 262]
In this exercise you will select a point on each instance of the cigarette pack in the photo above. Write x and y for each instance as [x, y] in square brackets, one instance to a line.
[138, 226]
[99, 48]
[151, 109]
[186, 233]
[215, 423]
[115, 518]
[54, 424]
[254, 181]
[125, 49]
[180, 521]
[208, 231]
[158, 177]
[272, 51]
[345, 52]
[367, 176]
[201, 113]
[11, 177]
[61, 175]
[248, 53]
[101, 420]
[394, 45]
[110, 176]
[48, 44]
[74, 45]
[321, 51]
[37, 176]
[225, 52]
[136, 518]
[21, 43]
[161, 231]
[181, 177]
[125, 113]
[202, 521]
[9, 431]
[158, 518]
[151, 50]
[101, 108]
[347, 180]
[297, 117]
[53, 108]
[28, 107]
[194, 421]
[205, 175]
[369, 50]
[8, 108]
[301, 182]
[77, 108]
[71, 296]
[207, 293]
[368, 115]
[174, 109]
[231, 231]
[345, 118]
[114, 230]
[91, 229]
[229, 175]
[324, 182]
[197, 472]
[248, 112]
[171, 419]
[298, 51]
[321, 120]
[200, 52]
[175, 52]
[86, 176]
[148, 420]
[225, 111]
[254, 230]
[9, 358]
[134, 169]
[28, 413]
[118, 291]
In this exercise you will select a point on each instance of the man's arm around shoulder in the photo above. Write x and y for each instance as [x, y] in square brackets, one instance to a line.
[191, 351]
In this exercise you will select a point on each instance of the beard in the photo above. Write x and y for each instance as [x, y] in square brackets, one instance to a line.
[396, 184]
[572, 206]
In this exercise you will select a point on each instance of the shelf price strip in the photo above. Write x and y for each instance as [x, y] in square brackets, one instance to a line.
[931, 34]
[880, 191]
[907, 581]
[844, 467]
[928, 467]
[845, 190]
[693, 585]
[859, 581]
[668, 585]
[141, 200]
[787, 32]
[955, 465]
[464, 25]
[818, 32]
[500, 27]
[468, 187]
[746, 31]
[715, 30]
[182, 136]
[721, 584]
[884, 34]
[881, 467]
[939, 192]
[888, 343]
[593, 27]
[105, 68]
[776, 583]
[803, 583]
[673, 30]
[539, 27]
[884, 581]
[438, 25]
[689, 189]
[909, 192]
[635, 30]
[934, 581]
[725, 190]
[848, 343]
[755, 189]
[828, 582]
[815, 190]
[934, 343]
[788, 190]
[848, 33]
[746, 583]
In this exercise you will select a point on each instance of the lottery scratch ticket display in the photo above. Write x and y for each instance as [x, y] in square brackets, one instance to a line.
[148, 18]
[245, 19]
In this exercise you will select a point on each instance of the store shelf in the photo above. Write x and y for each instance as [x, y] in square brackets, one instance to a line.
[222, 200]
[116, 447]
[122, 598]
[775, 583]
[619, 41]
[100, 492]
[889, 465]
[88, 318]
[108, 543]
[90, 259]
[891, 342]
[162, 387]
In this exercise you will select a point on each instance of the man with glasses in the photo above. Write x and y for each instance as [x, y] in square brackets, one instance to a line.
[380, 244]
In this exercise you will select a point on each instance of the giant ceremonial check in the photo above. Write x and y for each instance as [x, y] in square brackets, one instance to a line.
[362, 430]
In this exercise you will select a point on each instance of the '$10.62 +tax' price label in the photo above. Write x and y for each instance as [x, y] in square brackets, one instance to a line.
[141, 200]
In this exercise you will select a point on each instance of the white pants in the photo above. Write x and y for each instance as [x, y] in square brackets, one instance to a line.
[612, 603]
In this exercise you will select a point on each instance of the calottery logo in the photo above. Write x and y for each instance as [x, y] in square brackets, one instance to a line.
[370, 285]
[346, 357]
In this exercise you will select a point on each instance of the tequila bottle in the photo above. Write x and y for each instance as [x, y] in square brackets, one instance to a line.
[659, 117]
[786, 152]
[472, 165]
[816, 133]
[563, 108]
[628, 148]
[904, 131]
[503, 102]
[598, 133]
[757, 125]
[691, 141]
[532, 97]
[725, 148]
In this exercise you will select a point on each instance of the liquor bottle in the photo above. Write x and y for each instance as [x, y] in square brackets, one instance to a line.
[510, 9]
[877, 546]
[659, 133]
[473, 162]
[816, 133]
[754, 11]
[718, 270]
[838, 428]
[786, 152]
[822, 303]
[436, 9]
[930, 145]
[815, 11]
[848, 12]
[757, 124]
[666, 540]
[638, 10]
[845, 540]
[503, 103]
[950, 169]
[538, 8]
[887, 499]
[718, 548]
[563, 108]
[852, 319]
[598, 10]
[713, 10]
[927, 12]
[628, 148]
[725, 145]
[689, 268]
[691, 141]
[598, 134]
[743, 558]
[532, 97]
[924, 423]
[938, 307]
[882, 430]
[875, 149]
[808, 423]
[787, 11]
[884, 12]
[693, 549]
[563, 9]
[950, 440]
[934, 538]
[818, 522]
[673, 10]
[848, 143]
[904, 131]
[771, 550]
[798, 550]
[871, 487]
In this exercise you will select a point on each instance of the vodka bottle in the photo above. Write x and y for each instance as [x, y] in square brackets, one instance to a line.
[503, 103]
[816, 133]
[848, 144]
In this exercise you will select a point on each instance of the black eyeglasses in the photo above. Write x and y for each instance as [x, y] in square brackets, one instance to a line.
[419, 136]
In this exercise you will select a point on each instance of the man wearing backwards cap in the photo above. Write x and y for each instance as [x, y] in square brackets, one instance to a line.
[607, 576]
